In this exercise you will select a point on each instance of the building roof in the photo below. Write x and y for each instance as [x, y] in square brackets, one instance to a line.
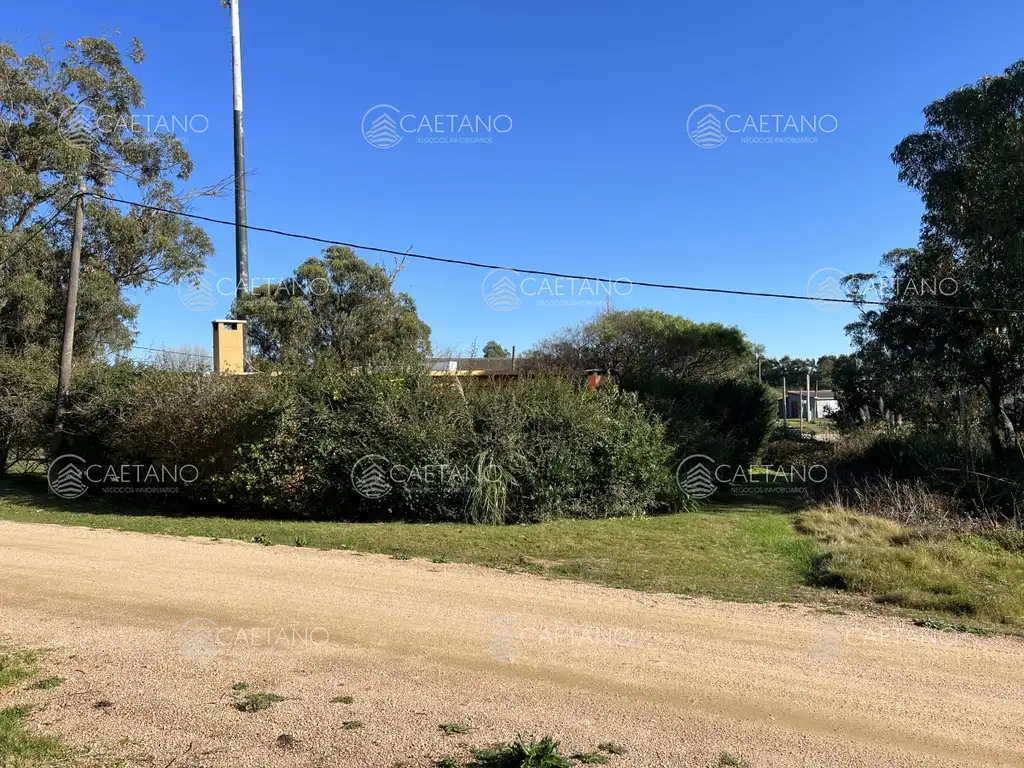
[500, 366]
[489, 364]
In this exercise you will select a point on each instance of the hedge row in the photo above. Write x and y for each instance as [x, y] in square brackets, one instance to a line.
[382, 445]
[379, 446]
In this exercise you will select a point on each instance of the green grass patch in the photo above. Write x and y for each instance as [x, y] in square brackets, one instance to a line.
[739, 550]
[46, 683]
[22, 748]
[16, 666]
[920, 569]
[19, 746]
[945, 626]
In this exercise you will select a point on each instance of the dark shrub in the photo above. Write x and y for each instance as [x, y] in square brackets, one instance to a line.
[727, 419]
[129, 415]
[28, 390]
[304, 444]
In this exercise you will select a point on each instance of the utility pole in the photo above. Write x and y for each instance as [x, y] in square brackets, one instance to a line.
[800, 407]
[759, 368]
[241, 235]
[785, 405]
[68, 341]
[809, 419]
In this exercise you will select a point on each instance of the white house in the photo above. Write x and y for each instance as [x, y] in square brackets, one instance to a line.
[822, 403]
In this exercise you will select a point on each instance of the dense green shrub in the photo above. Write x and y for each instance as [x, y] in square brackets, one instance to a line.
[727, 419]
[28, 390]
[130, 415]
[296, 444]
[571, 453]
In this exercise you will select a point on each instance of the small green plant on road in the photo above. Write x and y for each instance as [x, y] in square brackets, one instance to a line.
[256, 702]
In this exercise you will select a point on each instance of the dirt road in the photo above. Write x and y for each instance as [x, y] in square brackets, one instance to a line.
[163, 627]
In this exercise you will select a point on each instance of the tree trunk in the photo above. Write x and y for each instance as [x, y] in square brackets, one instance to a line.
[995, 400]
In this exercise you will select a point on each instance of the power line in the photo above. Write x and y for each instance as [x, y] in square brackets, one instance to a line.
[543, 273]
[39, 231]
[136, 346]
[171, 352]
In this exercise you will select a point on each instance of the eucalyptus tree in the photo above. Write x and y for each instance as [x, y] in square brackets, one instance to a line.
[74, 116]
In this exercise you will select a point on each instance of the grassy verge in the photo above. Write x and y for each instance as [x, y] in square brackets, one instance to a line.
[19, 746]
[957, 574]
[729, 550]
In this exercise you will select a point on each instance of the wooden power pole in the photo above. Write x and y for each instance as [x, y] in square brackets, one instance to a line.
[68, 341]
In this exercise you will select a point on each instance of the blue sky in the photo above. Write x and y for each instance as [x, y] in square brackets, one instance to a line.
[596, 174]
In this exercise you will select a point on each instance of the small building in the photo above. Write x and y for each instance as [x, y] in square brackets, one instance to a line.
[481, 367]
[822, 403]
[498, 368]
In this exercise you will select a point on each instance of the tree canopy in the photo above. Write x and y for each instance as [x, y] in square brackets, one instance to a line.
[69, 118]
[643, 343]
[924, 349]
[336, 306]
[494, 349]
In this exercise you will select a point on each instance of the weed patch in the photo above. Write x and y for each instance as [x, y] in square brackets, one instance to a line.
[46, 683]
[256, 702]
[542, 753]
